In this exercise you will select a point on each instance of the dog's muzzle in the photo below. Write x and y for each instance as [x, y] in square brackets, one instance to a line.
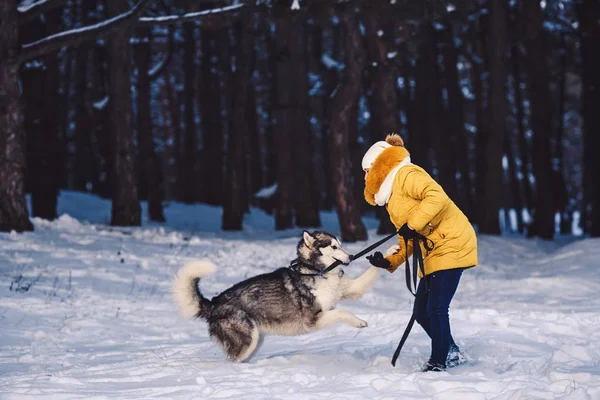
[344, 263]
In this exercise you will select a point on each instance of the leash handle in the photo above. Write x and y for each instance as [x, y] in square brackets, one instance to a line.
[418, 263]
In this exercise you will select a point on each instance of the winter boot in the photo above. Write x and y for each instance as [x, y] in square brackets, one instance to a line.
[433, 367]
[455, 357]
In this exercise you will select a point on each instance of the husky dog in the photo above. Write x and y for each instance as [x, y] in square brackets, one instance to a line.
[288, 301]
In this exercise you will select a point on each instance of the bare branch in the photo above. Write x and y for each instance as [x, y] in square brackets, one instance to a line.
[75, 37]
[189, 17]
[29, 12]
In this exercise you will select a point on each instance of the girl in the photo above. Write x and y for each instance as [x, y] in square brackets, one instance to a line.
[417, 203]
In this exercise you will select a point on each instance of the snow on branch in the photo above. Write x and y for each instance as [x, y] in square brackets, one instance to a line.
[27, 5]
[74, 37]
[30, 10]
[329, 62]
[101, 104]
[176, 19]
[266, 192]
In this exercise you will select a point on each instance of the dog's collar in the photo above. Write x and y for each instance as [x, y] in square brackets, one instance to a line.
[296, 265]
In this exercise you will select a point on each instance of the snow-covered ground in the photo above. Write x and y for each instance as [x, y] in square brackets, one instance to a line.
[85, 313]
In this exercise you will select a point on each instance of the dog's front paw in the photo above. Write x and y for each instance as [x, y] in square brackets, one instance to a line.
[361, 324]
[392, 250]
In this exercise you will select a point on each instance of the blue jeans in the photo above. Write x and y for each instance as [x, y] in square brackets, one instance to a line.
[431, 311]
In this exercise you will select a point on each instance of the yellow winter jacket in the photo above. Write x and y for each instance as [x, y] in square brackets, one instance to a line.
[419, 200]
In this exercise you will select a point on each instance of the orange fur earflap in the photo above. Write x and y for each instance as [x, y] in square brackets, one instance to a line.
[384, 163]
[394, 139]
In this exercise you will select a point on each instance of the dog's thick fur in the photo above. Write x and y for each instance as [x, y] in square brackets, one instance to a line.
[288, 301]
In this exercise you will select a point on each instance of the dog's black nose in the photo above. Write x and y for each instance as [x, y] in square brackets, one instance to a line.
[351, 257]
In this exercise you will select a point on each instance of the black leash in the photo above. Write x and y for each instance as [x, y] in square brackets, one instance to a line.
[418, 265]
[362, 252]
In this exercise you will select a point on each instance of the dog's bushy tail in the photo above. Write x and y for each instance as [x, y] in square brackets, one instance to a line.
[190, 302]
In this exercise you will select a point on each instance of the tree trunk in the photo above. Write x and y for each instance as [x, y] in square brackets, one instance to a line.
[317, 101]
[522, 134]
[82, 158]
[13, 207]
[254, 168]
[63, 119]
[209, 101]
[174, 110]
[38, 128]
[541, 119]
[456, 123]
[188, 179]
[150, 173]
[234, 204]
[330, 83]
[513, 182]
[589, 14]
[356, 153]
[44, 192]
[385, 115]
[306, 206]
[443, 139]
[426, 107]
[100, 143]
[404, 94]
[562, 205]
[284, 119]
[271, 138]
[382, 74]
[343, 106]
[489, 222]
[125, 202]
[40, 122]
[479, 40]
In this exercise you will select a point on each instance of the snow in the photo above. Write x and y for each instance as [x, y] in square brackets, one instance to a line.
[101, 104]
[34, 64]
[86, 313]
[266, 192]
[400, 82]
[27, 5]
[330, 62]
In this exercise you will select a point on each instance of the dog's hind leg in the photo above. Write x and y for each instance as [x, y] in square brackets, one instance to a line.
[239, 337]
[250, 349]
[329, 318]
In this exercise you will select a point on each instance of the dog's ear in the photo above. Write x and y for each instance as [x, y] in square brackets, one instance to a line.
[308, 239]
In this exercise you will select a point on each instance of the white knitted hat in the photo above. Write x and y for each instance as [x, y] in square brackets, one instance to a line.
[373, 152]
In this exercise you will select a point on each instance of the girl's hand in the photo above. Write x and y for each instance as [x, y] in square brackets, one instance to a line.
[407, 232]
[376, 259]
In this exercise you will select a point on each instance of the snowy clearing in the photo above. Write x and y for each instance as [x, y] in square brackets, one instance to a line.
[86, 313]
